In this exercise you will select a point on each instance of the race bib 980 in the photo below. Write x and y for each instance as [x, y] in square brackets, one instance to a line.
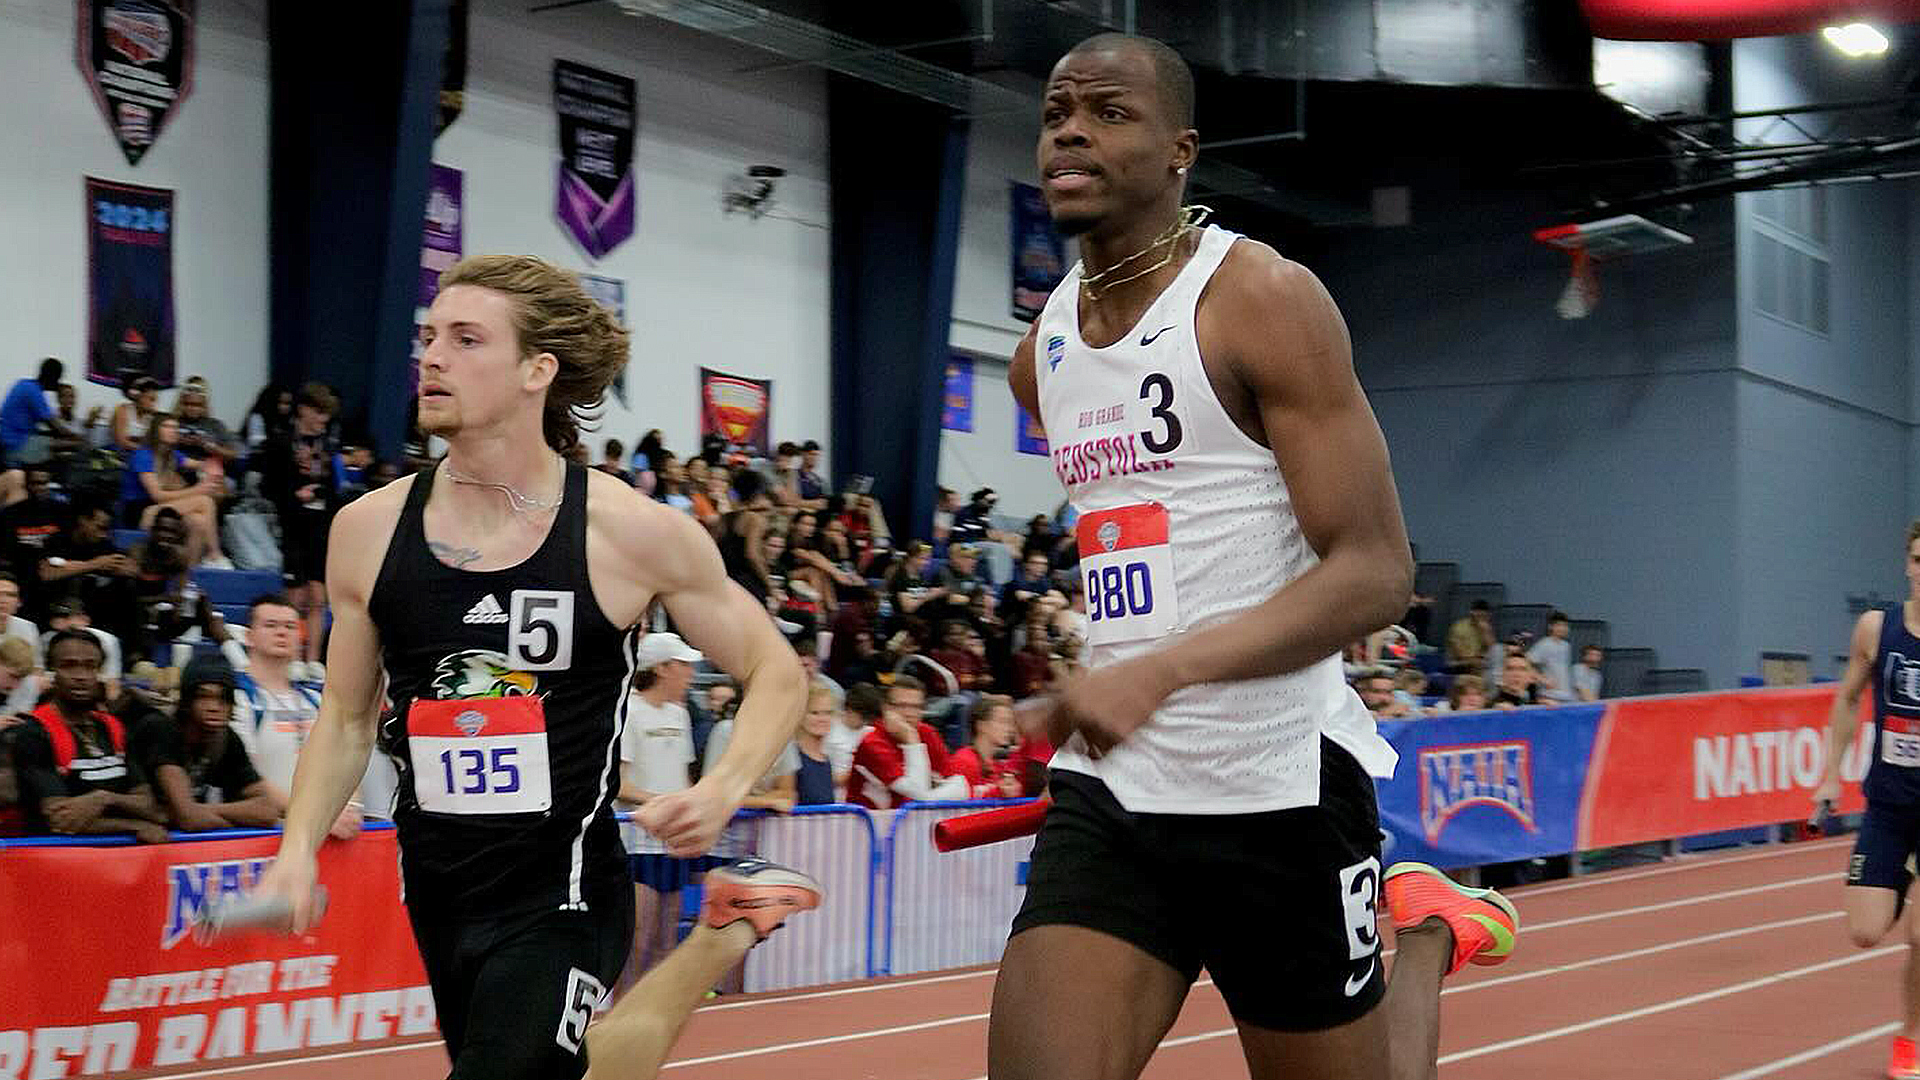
[1126, 564]
[480, 755]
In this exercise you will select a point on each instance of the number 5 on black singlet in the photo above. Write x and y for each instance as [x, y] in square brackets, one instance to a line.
[540, 630]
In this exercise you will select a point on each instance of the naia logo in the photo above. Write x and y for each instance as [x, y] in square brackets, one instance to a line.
[1453, 778]
[193, 886]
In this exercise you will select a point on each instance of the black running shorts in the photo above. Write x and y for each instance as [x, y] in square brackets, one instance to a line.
[1889, 836]
[514, 994]
[1279, 907]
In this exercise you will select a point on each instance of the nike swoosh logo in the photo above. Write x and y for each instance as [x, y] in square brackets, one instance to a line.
[1150, 338]
[1354, 986]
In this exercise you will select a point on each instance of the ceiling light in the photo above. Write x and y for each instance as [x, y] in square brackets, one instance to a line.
[1856, 39]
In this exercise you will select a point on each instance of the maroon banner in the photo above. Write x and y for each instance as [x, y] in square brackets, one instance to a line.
[736, 408]
[103, 975]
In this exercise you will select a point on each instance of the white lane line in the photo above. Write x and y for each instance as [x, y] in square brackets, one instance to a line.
[1669, 1006]
[1706, 863]
[827, 1040]
[1814, 1054]
[283, 1063]
[1632, 954]
[1685, 901]
[863, 988]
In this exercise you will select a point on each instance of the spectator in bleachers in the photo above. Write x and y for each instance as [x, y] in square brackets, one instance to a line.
[743, 536]
[132, 417]
[775, 790]
[813, 487]
[960, 578]
[202, 775]
[1553, 656]
[784, 485]
[84, 563]
[1071, 622]
[672, 488]
[955, 653]
[945, 503]
[813, 784]
[1519, 684]
[71, 614]
[1375, 686]
[811, 558]
[973, 521]
[907, 585]
[274, 713]
[71, 758]
[157, 479]
[205, 442]
[20, 681]
[297, 475]
[269, 420]
[90, 430]
[656, 758]
[1032, 581]
[902, 759]
[1409, 686]
[1587, 679]
[1467, 693]
[983, 761]
[25, 415]
[1028, 666]
[646, 460]
[866, 523]
[613, 462]
[1469, 639]
[860, 712]
[11, 624]
[25, 528]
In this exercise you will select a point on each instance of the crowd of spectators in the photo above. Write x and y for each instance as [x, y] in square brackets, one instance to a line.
[1398, 678]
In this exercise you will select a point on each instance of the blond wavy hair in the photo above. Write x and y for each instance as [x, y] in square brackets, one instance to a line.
[553, 314]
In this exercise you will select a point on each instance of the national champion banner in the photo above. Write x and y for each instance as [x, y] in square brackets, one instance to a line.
[117, 982]
[612, 295]
[736, 408]
[1039, 255]
[130, 310]
[595, 200]
[1478, 788]
[956, 402]
[137, 57]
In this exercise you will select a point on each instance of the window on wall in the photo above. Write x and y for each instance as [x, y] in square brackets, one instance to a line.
[1790, 257]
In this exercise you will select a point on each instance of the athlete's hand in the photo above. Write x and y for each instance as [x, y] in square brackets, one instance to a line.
[1103, 706]
[1828, 792]
[292, 879]
[347, 825]
[688, 822]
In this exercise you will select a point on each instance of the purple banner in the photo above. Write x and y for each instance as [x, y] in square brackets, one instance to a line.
[440, 243]
[1028, 438]
[956, 413]
[1039, 255]
[596, 192]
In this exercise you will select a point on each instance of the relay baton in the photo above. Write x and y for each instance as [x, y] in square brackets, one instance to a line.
[243, 913]
[989, 826]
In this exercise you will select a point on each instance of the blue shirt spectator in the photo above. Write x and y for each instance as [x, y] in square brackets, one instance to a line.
[26, 408]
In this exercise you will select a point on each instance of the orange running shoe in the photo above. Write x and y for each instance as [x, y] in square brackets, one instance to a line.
[1900, 1063]
[758, 891]
[1484, 923]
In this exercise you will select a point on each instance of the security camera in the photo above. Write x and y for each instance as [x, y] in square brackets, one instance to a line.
[753, 192]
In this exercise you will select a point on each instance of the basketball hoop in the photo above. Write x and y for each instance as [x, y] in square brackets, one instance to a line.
[1589, 243]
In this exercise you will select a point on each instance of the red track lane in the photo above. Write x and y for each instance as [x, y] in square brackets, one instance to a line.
[1732, 967]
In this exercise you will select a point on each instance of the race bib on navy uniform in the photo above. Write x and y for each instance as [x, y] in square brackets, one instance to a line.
[480, 755]
[1127, 565]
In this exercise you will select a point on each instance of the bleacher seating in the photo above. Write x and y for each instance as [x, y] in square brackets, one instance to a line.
[1584, 632]
[1511, 619]
[1624, 671]
[242, 587]
[1673, 681]
[1436, 579]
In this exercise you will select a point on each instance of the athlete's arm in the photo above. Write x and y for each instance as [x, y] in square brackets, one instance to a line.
[1020, 377]
[335, 757]
[724, 621]
[1843, 718]
[1286, 343]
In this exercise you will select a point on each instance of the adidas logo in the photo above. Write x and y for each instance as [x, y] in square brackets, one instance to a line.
[488, 610]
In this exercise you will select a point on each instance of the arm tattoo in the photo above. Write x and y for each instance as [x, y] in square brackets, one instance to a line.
[453, 556]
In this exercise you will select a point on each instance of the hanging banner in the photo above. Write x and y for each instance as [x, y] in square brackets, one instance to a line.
[130, 313]
[612, 295]
[137, 58]
[596, 192]
[956, 413]
[118, 982]
[1028, 436]
[453, 69]
[1039, 255]
[736, 409]
[440, 242]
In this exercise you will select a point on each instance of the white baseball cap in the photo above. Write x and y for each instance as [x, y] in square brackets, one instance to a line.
[657, 649]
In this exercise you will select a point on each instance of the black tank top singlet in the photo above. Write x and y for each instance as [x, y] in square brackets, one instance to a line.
[493, 816]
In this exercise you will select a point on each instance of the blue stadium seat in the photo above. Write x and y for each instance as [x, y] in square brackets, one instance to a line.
[124, 539]
[235, 586]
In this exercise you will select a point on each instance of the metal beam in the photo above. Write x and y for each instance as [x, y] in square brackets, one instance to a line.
[1835, 164]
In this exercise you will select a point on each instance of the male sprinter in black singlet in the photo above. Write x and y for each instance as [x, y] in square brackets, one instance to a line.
[1886, 650]
[1211, 798]
[501, 592]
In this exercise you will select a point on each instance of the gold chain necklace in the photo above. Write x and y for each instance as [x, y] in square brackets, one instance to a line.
[1097, 285]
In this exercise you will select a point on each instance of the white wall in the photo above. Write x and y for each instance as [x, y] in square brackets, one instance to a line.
[703, 288]
[999, 150]
[212, 153]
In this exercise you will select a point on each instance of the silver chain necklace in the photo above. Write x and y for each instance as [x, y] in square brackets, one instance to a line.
[519, 502]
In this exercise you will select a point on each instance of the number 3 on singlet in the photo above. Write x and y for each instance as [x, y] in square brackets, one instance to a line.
[1127, 565]
[540, 630]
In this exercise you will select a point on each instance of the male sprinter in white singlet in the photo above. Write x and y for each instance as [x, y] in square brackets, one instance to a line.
[500, 593]
[1212, 804]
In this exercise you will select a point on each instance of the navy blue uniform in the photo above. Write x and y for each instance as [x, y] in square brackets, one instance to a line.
[1890, 833]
